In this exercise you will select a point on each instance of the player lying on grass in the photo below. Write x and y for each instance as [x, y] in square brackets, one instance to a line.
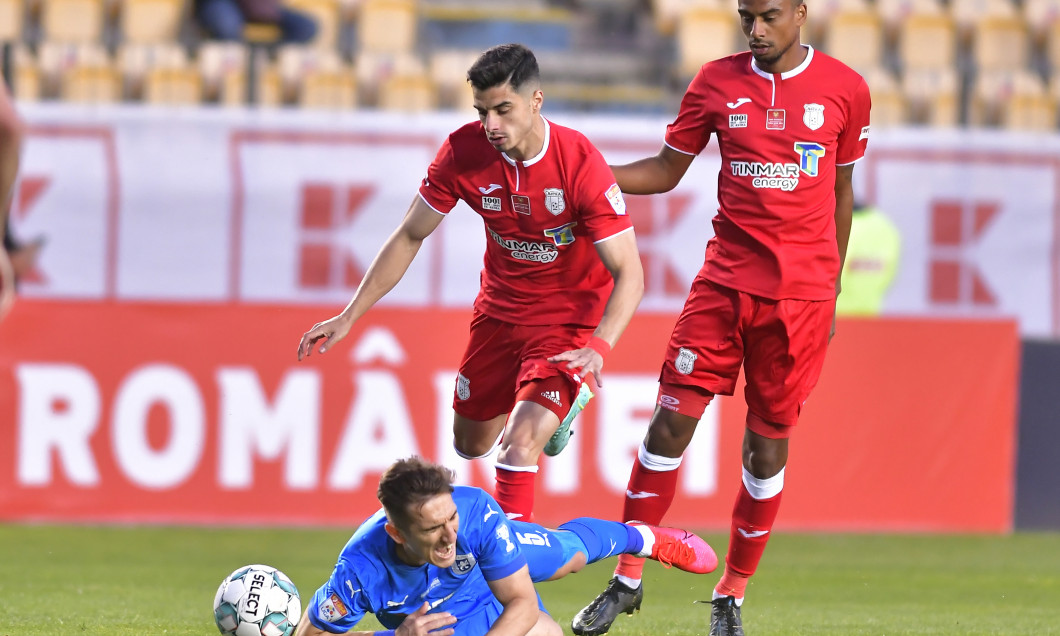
[443, 559]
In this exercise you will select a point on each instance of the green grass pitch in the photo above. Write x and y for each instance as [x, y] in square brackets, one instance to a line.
[115, 581]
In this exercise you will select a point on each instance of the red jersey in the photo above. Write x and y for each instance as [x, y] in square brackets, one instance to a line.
[781, 137]
[542, 217]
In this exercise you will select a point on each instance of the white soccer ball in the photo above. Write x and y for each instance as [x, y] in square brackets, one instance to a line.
[257, 600]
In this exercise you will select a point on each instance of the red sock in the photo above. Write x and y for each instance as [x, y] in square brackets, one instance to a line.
[753, 517]
[515, 491]
[653, 492]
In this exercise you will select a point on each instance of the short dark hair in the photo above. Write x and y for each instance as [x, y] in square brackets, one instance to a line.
[512, 64]
[409, 483]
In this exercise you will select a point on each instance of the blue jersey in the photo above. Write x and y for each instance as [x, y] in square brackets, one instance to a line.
[370, 579]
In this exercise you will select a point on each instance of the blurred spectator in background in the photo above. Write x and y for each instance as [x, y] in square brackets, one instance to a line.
[225, 19]
[11, 131]
[872, 260]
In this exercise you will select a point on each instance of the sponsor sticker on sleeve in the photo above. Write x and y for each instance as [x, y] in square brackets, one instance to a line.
[332, 609]
[864, 133]
[614, 196]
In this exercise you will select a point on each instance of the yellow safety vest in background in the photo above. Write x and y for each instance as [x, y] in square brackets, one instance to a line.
[872, 260]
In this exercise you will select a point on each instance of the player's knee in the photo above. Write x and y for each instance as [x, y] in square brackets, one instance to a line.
[669, 433]
[470, 446]
[764, 456]
[545, 626]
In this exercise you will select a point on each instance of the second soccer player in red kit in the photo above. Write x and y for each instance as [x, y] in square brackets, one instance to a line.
[561, 279]
[790, 123]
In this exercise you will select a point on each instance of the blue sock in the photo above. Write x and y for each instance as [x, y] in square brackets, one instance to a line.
[604, 539]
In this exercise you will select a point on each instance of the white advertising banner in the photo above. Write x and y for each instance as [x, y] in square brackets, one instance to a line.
[215, 205]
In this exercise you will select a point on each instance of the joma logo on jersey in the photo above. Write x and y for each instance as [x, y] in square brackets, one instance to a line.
[562, 235]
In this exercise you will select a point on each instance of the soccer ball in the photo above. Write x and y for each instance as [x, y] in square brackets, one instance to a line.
[257, 600]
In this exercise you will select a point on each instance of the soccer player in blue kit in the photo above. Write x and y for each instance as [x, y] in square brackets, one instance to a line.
[441, 559]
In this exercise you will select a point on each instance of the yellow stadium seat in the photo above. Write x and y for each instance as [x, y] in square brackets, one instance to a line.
[933, 96]
[1001, 44]
[96, 84]
[855, 38]
[1016, 100]
[326, 14]
[72, 21]
[150, 21]
[968, 13]
[135, 61]
[1040, 16]
[329, 89]
[173, 86]
[704, 35]
[25, 74]
[667, 13]
[888, 101]
[295, 63]
[410, 93]
[1031, 112]
[1052, 45]
[56, 59]
[223, 67]
[448, 70]
[12, 15]
[821, 13]
[928, 42]
[373, 69]
[387, 26]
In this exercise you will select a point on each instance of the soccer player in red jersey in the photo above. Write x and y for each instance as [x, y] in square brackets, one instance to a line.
[790, 123]
[561, 280]
[12, 131]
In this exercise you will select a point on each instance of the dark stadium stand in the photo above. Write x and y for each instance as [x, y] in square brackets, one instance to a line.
[991, 63]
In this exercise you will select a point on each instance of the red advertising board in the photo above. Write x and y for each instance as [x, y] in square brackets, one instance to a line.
[199, 413]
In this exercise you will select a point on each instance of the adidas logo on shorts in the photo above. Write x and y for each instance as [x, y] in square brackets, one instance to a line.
[552, 396]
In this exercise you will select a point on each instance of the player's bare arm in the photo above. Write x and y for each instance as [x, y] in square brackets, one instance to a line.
[387, 268]
[620, 256]
[11, 134]
[418, 623]
[516, 593]
[12, 131]
[844, 213]
[651, 175]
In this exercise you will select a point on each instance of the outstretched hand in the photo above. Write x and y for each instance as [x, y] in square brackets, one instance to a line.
[420, 623]
[330, 332]
[587, 361]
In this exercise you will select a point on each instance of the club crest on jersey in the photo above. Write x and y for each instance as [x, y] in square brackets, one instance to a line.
[463, 564]
[463, 387]
[775, 119]
[554, 201]
[813, 116]
[686, 360]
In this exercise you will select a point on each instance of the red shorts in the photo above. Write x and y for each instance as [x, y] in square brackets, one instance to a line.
[501, 358]
[780, 343]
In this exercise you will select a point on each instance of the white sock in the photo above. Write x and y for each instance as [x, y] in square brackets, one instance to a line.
[628, 582]
[716, 596]
[649, 541]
